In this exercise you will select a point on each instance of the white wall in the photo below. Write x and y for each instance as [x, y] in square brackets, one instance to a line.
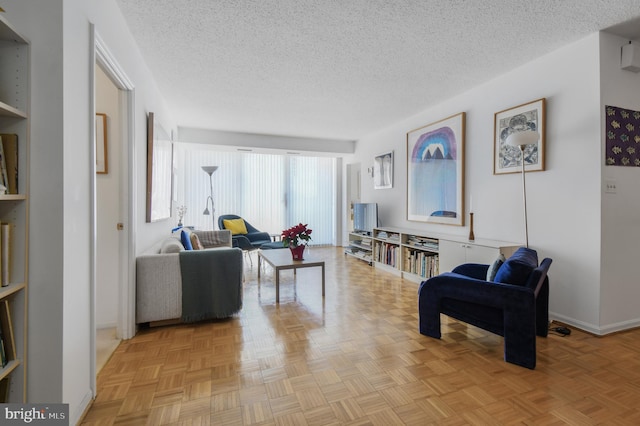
[563, 201]
[60, 241]
[108, 207]
[621, 211]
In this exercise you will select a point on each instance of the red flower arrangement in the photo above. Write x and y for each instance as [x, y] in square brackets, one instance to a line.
[294, 236]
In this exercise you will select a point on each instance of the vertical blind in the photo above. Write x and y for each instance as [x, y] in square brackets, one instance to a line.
[272, 192]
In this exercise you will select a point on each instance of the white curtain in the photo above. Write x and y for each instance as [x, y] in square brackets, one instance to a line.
[272, 192]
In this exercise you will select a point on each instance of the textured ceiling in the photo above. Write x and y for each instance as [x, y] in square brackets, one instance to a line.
[341, 69]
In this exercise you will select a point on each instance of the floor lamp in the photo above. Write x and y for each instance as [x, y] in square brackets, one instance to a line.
[521, 140]
[209, 170]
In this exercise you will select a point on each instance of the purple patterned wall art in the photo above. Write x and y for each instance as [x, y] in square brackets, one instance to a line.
[622, 136]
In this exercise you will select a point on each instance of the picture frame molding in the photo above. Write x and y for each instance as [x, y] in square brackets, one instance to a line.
[499, 139]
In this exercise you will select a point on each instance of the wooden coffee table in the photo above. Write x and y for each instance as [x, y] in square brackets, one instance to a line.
[280, 259]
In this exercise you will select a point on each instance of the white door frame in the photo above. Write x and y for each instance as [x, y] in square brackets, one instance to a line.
[101, 56]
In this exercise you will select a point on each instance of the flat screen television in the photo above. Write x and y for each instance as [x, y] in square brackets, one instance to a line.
[365, 217]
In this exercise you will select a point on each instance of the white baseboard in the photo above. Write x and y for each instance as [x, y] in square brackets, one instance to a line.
[595, 329]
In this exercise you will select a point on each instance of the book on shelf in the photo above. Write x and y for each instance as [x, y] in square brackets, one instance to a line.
[423, 242]
[4, 180]
[5, 254]
[3, 352]
[6, 326]
[4, 390]
[9, 165]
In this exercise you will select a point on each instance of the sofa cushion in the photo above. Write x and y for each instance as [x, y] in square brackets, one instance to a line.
[236, 226]
[195, 242]
[493, 268]
[171, 245]
[185, 239]
[518, 267]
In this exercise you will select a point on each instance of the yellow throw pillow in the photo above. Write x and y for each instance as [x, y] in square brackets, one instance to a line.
[236, 226]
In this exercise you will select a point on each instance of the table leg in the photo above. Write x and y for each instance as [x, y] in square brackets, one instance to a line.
[323, 280]
[277, 285]
[259, 264]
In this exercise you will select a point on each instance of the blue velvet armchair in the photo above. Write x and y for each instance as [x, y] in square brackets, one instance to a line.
[252, 240]
[514, 305]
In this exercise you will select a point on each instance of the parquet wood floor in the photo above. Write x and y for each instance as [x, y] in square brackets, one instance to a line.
[357, 358]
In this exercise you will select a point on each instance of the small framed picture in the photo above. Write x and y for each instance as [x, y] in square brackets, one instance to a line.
[383, 171]
[507, 158]
[102, 159]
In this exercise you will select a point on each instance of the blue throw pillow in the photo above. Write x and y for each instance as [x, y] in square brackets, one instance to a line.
[185, 238]
[518, 267]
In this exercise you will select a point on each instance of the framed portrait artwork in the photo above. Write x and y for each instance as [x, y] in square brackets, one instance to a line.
[159, 171]
[383, 171]
[507, 158]
[435, 172]
[102, 159]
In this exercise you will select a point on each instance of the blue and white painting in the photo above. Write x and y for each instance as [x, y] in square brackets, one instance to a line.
[435, 161]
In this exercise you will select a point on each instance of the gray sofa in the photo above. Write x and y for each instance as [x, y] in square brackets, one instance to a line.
[160, 276]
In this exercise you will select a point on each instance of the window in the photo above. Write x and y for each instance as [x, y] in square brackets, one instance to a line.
[272, 192]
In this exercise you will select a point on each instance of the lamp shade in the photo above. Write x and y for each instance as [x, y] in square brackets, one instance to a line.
[526, 137]
[209, 169]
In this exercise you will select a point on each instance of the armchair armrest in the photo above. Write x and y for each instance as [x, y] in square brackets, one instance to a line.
[473, 270]
[461, 287]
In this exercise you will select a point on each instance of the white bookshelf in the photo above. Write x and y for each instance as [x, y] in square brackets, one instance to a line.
[14, 210]
[419, 255]
[360, 246]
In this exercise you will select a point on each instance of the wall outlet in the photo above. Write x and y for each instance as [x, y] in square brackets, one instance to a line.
[610, 186]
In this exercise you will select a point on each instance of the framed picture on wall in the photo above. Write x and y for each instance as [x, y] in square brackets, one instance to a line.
[435, 172]
[383, 171]
[507, 158]
[102, 159]
[159, 171]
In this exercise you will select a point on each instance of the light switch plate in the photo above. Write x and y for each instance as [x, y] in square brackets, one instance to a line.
[610, 186]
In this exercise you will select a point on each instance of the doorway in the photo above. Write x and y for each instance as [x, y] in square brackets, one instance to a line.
[108, 215]
[113, 203]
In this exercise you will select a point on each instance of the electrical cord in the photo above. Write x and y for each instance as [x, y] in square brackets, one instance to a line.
[560, 330]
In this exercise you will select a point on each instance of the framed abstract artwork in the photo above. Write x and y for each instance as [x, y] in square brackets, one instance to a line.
[622, 137]
[159, 171]
[507, 158]
[435, 172]
[383, 171]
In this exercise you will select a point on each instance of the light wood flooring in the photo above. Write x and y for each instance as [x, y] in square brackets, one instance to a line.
[106, 344]
[357, 358]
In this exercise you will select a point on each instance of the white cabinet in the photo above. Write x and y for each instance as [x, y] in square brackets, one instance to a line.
[454, 253]
[14, 134]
